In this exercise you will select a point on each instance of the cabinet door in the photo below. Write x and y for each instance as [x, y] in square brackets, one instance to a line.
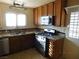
[27, 41]
[54, 7]
[44, 10]
[1, 16]
[58, 12]
[39, 13]
[15, 45]
[50, 9]
[63, 17]
[35, 16]
[58, 49]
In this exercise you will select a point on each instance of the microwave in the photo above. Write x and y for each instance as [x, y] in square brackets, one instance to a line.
[47, 20]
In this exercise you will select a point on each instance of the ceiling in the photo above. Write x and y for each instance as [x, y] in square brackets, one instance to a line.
[30, 3]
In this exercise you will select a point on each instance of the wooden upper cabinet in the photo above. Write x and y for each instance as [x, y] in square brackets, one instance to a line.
[50, 9]
[58, 9]
[39, 13]
[0, 17]
[35, 11]
[63, 18]
[60, 13]
[54, 3]
[44, 10]
[55, 8]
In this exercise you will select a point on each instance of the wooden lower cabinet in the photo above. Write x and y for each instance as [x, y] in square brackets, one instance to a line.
[19, 43]
[55, 50]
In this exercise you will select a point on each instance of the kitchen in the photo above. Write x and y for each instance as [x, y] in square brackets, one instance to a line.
[33, 12]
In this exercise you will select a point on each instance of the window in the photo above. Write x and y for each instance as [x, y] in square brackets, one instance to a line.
[74, 25]
[10, 19]
[21, 20]
[13, 19]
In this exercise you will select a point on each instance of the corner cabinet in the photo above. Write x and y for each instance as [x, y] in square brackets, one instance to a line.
[55, 48]
[19, 43]
[60, 13]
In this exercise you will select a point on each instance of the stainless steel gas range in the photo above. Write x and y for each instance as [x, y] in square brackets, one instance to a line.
[41, 43]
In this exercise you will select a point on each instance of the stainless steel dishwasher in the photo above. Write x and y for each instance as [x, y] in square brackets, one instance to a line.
[4, 46]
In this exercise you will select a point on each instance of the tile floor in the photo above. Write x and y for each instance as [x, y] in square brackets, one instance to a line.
[28, 54]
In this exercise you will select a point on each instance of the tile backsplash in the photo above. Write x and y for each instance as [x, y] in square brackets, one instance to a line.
[61, 29]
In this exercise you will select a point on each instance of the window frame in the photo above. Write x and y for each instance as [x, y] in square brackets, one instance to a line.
[16, 19]
[73, 26]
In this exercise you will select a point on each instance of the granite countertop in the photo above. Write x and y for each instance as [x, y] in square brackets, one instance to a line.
[56, 37]
[11, 34]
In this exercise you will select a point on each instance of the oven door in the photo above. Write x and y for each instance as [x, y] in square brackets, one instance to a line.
[40, 44]
[41, 38]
